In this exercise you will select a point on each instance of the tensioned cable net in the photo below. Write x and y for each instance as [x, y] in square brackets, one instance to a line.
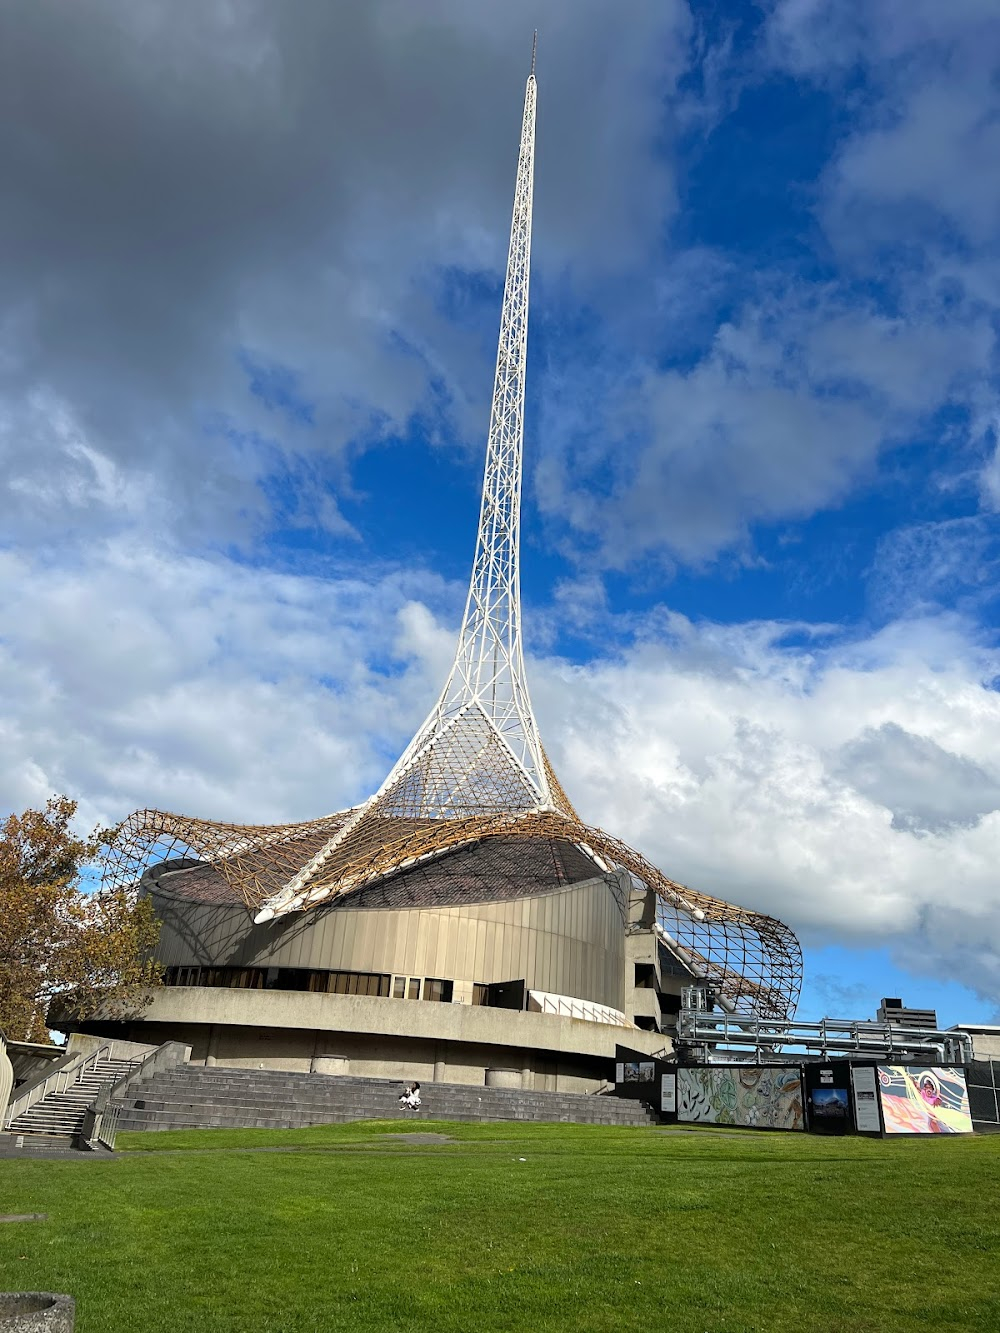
[476, 769]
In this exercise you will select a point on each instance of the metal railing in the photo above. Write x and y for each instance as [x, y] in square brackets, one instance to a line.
[167, 1056]
[100, 1122]
[566, 1006]
[762, 1039]
[58, 1081]
[106, 1127]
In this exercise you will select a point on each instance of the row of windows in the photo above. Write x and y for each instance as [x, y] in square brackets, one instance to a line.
[306, 979]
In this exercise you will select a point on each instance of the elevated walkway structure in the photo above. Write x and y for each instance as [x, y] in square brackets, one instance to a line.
[729, 1038]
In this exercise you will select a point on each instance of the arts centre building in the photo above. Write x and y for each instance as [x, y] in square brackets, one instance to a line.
[463, 924]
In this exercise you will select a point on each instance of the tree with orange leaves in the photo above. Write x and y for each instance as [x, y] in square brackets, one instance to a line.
[61, 943]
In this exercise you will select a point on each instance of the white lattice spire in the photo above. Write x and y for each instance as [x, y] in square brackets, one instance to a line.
[479, 751]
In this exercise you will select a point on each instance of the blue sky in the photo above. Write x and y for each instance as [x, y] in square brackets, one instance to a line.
[253, 268]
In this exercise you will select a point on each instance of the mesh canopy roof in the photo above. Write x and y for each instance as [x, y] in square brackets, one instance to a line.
[494, 870]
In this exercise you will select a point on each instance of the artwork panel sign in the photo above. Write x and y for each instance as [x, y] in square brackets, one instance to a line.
[751, 1096]
[927, 1099]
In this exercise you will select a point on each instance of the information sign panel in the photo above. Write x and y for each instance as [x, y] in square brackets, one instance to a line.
[668, 1093]
[866, 1116]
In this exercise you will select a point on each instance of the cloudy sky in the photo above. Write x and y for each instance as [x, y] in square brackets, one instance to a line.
[251, 258]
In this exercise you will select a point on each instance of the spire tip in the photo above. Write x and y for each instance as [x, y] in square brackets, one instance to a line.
[534, 48]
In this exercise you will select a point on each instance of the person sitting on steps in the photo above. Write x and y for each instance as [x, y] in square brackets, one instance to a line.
[411, 1097]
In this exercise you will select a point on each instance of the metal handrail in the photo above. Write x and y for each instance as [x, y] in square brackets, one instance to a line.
[62, 1079]
[106, 1125]
[165, 1056]
[58, 1081]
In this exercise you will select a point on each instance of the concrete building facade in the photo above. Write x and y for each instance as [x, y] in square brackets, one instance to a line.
[516, 962]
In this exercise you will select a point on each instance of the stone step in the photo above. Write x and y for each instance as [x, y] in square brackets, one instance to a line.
[431, 1097]
[334, 1096]
[44, 1143]
[165, 1121]
[208, 1108]
[431, 1107]
[291, 1079]
[61, 1112]
[47, 1117]
[431, 1100]
[219, 1097]
[325, 1085]
[60, 1125]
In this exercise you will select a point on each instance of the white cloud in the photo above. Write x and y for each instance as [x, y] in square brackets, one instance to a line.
[142, 676]
[921, 566]
[924, 141]
[816, 782]
[789, 409]
[296, 193]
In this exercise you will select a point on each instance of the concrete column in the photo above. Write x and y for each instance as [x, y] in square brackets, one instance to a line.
[527, 1077]
[440, 1061]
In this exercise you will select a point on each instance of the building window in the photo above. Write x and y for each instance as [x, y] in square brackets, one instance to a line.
[436, 989]
[281, 978]
[414, 990]
[480, 993]
[399, 988]
[292, 978]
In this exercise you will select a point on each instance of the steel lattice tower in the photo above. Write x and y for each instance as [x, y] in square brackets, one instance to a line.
[476, 768]
[479, 748]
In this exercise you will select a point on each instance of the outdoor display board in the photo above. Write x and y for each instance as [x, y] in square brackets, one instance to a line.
[828, 1097]
[753, 1096]
[864, 1085]
[918, 1099]
[635, 1071]
[668, 1094]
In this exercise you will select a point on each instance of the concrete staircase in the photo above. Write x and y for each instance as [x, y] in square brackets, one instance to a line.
[61, 1113]
[193, 1097]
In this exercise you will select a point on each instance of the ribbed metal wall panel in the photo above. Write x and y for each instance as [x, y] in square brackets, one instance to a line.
[570, 941]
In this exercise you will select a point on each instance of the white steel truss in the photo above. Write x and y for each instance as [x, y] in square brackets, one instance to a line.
[478, 752]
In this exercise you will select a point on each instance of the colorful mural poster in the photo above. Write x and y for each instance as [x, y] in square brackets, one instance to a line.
[924, 1100]
[752, 1096]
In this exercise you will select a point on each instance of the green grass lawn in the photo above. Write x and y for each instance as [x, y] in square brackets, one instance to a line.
[596, 1228]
